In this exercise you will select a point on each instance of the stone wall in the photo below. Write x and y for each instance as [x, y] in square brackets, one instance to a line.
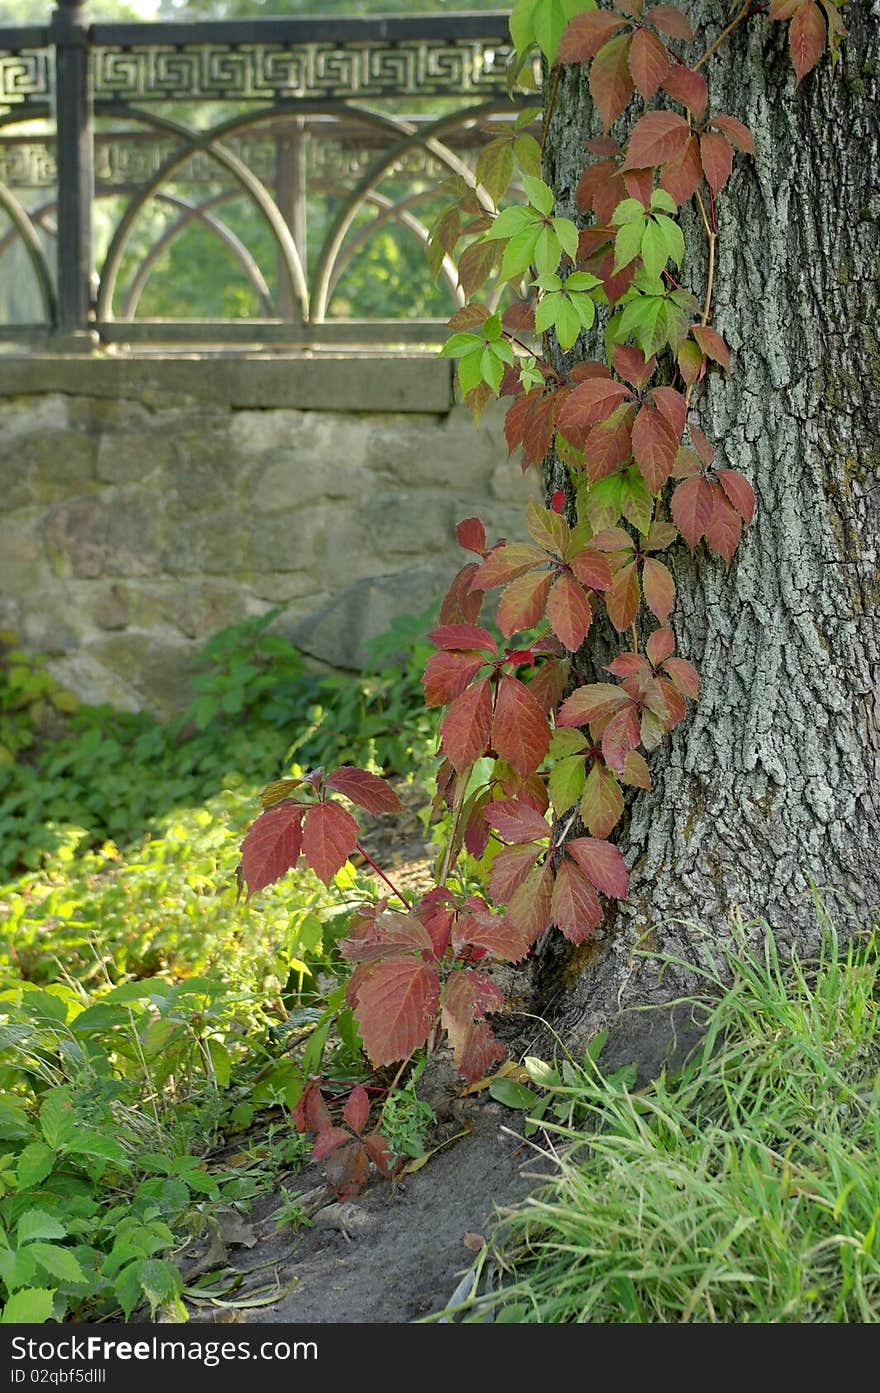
[147, 502]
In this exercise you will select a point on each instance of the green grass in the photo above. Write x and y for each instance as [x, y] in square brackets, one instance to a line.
[745, 1189]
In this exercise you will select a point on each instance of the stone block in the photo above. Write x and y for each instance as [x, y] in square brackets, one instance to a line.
[128, 456]
[104, 536]
[294, 478]
[336, 634]
[42, 411]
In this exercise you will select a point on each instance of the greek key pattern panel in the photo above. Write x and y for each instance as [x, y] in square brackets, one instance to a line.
[307, 71]
[24, 77]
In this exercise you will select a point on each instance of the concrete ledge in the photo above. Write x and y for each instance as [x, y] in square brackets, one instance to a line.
[343, 382]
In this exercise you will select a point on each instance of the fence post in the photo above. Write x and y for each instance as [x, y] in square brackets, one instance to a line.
[76, 177]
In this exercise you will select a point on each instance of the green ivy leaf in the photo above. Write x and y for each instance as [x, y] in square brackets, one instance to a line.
[58, 1262]
[32, 1307]
[566, 783]
[520, 253]
[539, 194]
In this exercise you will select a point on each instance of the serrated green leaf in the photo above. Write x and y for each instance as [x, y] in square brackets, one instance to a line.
[470, 370]
[566, 783]
[457, 344]
[582, 280]
[539, 194]
[58, 1262]
[673, 236]
[586, 310]
[17, 1268]
[661, 199]
[627, 211]
[528, 153]
[32, 1307]
[568, 322]
[568, 236]
[547, 252]
[91, 1143]
[545, 311]
[603, 502]
[520, 253]
[57, 1118]
[653, 249]
[34, 1164]
[495, 167]
[159, 1280]
[636, 502]
[491, 368]
[522, 24]
[628, 244]
[566, 741]
[511, 221]
[36, 1223]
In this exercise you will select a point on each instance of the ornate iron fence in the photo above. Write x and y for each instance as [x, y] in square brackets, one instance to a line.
[301, 156]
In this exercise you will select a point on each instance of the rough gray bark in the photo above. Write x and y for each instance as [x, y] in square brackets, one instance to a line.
[774, 780]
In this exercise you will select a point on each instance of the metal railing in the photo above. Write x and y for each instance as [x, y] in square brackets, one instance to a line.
[306, 154]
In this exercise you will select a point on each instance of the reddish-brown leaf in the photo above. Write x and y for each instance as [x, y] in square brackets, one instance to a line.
[621, 735]
[396, 1008]
[603, 865]
[592, 569]
[540, 424]
[591, 703]
[639, 183]
[311, 1113]
[520, 733]
[547, 528]
[522, 604]
[806, 38]
[357, 1108]
[329, 837]
[675, 711]
[654, 444]
[328, 1140]
[348, 1170]
[549, 684]
[672, 406]
[657, 137]
[606, 448]
[600, 189]
[380, 1154]
[509, 869]
[569, 611]
[691, 509]
[614, 539]
[586, 34]
[670, 20]
[649, 62]
[471, 535]
[601, 805]
[622, 600]
[739, 491]
[659, 588]
[684, 675]
[447, 675]
[738, 134]
[506, 563]
[629, 665]
[635, 771]
[365, 789]
[784, 9]
[574, 907]
[528, 912]
[272, 846]
[468, 997]
[724, 527]
[516, 821]
[516, 417]
[462, 602]
[712, 344]
[611, 85]
[659, 646]
[632, 364]
[468, 317]
[588, 403]
[703, 445]
[681, 178]
[589, 371]
[466, 726]
[687, 86]
[462, 636]
[493, 932]
[716, 155]
[519, 316]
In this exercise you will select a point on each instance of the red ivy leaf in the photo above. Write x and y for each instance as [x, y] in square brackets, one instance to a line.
[528, 912]
[549, 684]
[522, 604]
[574, 908]
[462, 636]
[622, 600]
[466, 725]
[649, 62]
[380, 1154]
[806, 38]
[592, 569]
[515, 419]
[660, 645]
[462, 602]
[657, 137]
[329, 837]
[602, 804]
[471, 535]
[712, 344]
[506, 563]
[591, 401]
[520, 732]
[365, 789]
[510, 868]
[396, 1008]
[687, 86]
[311, 1113]
[672, 407]
[495, 935]
[586, 34]
[517, 821]
[328, 1140]
[659, 588]
[691, 509]
[654, 445]
[703, 445]
[621, 735]
[569, 611]
[738, 134]
[611, 85]
[739, 491]
[469, 996]
[602, 863]
[724, 527]
[348, 1170]
[357, 1108]
[538, 428]
[272, 846]
[591, 703]
[447, 675]
[632, 364]
[681, 177]
[606, 448]
[684, 676]
[670, 20]
[717, 158]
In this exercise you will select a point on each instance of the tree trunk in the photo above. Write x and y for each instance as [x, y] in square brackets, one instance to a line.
[774, 780]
